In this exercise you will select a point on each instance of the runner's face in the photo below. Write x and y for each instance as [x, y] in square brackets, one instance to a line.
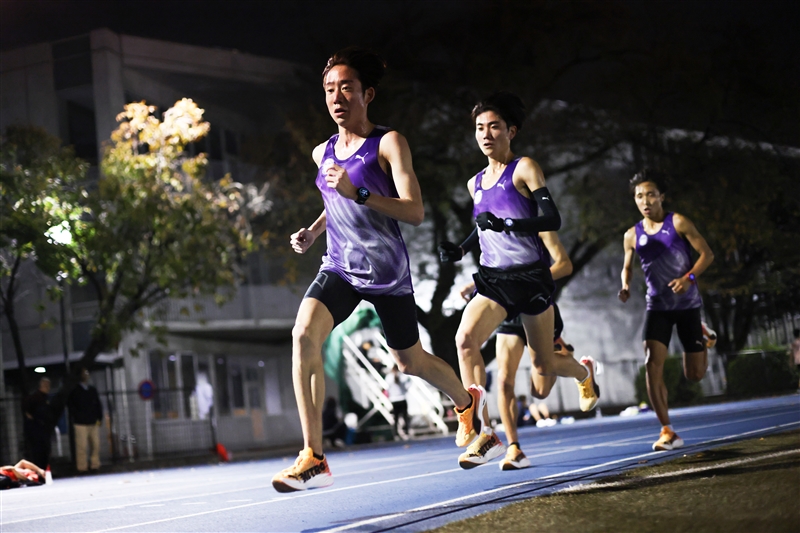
[648, 199]
[493, 135]
[346, 100]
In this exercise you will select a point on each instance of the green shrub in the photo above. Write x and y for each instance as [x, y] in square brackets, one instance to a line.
[680, 391]
[751, 374]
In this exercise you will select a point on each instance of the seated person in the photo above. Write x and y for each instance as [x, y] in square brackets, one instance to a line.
[22, 473]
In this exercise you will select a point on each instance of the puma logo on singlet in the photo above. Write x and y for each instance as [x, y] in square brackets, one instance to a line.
[665, 231]
[502, 185]
[361, 157]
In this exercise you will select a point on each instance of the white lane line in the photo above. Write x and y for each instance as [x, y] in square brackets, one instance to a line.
[237, 501]
[635, 439]
[193, 503]
[432, 506]
[191, 496]
[567, 450]
[678, 473]
[527, 483]
[34, 505]
[153, 505]
[295, 496]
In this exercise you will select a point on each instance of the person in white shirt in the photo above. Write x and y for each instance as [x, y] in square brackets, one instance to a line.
[396, 387]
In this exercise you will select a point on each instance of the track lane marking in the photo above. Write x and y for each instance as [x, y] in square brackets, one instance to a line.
[527, 483]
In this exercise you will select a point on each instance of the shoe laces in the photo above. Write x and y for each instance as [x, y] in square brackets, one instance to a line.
[303, 462]
[482, 444]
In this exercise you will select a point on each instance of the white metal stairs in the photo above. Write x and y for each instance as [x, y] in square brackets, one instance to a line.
[367, 386]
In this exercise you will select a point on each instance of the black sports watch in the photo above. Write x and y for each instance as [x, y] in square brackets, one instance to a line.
[508, 223]
[362, 194]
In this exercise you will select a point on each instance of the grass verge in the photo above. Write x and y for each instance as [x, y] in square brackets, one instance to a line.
[749, 486]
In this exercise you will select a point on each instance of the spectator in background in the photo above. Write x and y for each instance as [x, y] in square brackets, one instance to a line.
[87, 414]
[795, 350]
[204, 395]
[38, 423]
[397, 387]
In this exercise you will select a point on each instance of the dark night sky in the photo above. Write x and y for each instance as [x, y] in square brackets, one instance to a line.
[307, 30]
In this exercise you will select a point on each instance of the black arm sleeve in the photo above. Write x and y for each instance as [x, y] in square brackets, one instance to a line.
[550, 220]
[470, 242]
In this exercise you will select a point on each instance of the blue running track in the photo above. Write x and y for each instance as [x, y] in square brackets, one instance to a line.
[412, 486]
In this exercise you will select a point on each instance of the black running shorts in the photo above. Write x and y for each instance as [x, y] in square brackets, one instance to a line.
[658, 327]
[398, 314]
[526, 289]
[514, 326]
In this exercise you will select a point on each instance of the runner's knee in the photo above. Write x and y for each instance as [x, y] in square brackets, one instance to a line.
[465, 341]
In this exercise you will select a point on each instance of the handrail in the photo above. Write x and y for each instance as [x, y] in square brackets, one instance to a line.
[419, 388]
[369, 379]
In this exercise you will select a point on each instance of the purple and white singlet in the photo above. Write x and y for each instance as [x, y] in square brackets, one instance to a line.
[501, 249]
[365, 247]
[665, 256]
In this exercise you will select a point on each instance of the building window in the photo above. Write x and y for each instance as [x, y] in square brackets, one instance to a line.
[72, 65]
[223, 397]
[231, 143]
[82, 131]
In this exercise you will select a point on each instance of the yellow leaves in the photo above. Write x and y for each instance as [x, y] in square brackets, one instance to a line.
[140, 132]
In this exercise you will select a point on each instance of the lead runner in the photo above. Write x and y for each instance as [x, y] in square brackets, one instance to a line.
[367, 183]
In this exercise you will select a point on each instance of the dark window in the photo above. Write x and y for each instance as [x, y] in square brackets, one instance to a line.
[189, 382]
[237, 386]
[81, 334]
[231, 142]
[72, 62]
[224, 407]
[82, 131]
[214, 144]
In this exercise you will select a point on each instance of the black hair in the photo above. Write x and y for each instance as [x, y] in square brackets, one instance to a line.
[369, 65]
[656, 177]
[508, 105]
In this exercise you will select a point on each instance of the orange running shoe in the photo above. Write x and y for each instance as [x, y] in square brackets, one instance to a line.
[307, 472]
[468, 417]
[484, 449]
[588, 388]
[668, 440]
[514, 459]
[709, 336]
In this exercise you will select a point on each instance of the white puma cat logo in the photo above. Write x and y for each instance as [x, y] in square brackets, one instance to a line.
[502, 185]
[361, 157]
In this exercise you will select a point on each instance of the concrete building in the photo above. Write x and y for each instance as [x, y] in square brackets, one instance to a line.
[74, 89]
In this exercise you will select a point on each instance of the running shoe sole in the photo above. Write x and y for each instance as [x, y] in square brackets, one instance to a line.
[667, 446]
[292, 485]
[515, 465]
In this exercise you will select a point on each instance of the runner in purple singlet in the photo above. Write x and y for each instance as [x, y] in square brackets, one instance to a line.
[664, 241]
[368, 184]
[513, 277]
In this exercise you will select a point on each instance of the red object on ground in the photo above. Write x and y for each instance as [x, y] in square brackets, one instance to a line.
[222, 452]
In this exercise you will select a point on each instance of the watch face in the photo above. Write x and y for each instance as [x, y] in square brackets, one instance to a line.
[509, 222]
